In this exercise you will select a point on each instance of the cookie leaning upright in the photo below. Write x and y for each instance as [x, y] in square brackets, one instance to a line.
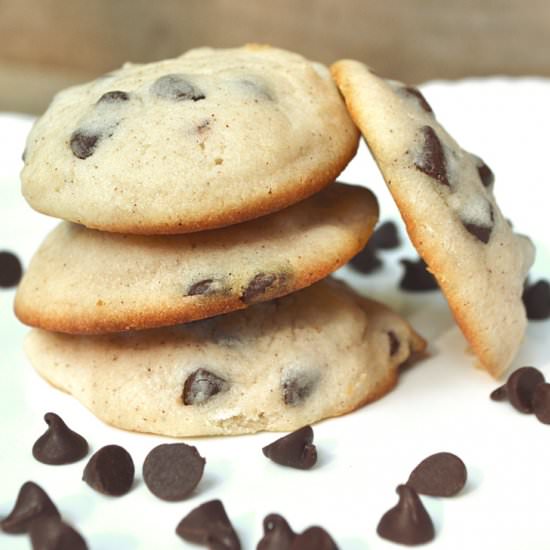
[445, 197]
[205, 140]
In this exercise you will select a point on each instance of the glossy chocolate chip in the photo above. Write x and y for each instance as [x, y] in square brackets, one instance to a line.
[366, 261]
[439, 475]
[116, 96]
[176, 88]
[541, 402]
[209, 525]
[394, 343]
[48, 533]
[297, 388]
[520, 387]
[313, 538]
[172, 471]
[83, 144]
[258, 286]
[295, 449]
[201, 385]
[432, 157]
[277, 534]
[480, 232]
[416, 277]
[500, 394]
[536, 298]
[386, 236]
[408, 522]
[485, 173]
[110, 471]
[204, 287]
[59, 444]
[10, 269]
[410, 90]
[32, 502]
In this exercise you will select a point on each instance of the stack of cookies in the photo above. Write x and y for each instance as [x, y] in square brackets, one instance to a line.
[192, 188]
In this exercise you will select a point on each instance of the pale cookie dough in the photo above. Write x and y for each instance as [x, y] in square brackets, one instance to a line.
[320, 352]
[211, 138]
[86, 281]
[445, 197]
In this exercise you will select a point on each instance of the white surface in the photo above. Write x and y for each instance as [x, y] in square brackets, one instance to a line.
[440, 404]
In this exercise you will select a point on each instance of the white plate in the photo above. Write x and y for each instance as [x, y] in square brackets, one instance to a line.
[440, 404]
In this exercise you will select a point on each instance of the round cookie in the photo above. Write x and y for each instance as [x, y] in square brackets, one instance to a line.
[205, 140]
[86, 281]
[445, 197]
[320, 352]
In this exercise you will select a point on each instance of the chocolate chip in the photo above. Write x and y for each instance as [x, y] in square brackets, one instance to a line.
[115, 96]
[259, 89]
[432, 158]
[201, 385]
[485, 173]
[295, 449]
[536, 298]
[481, 232]
[176, 88]
[541, 402]
[10, 269]
[439, 475]
[394, 343]
[259, 284]
[500, 394]
[83, 144]
[408, 522]
[313, 538]
[172, 471]
[521, 385]
[410, 90]
[297, 387]
[416, 277]
[208, 524]
[110, 471]
[386, 236]
[59, 444]
[277, 534]
[204, 287]
[49, 533]
[366, 261]
[32, 502]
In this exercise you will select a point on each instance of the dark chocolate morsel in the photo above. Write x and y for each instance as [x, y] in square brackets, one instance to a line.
[259, 89]
[10, 269]
[500, 394]
[410, 90]
[208, 524]
[432, 157]
[116, 96]
[258, 285]
[541, 402]
[536, 298]
[277, 534]
[177, 88]
[313, 538]
[416, 277]
[201, 385]
[295, 449]
[110, 471]
[49, 533]
[386, 236]
[83, 144]
[366, 261]
[485, 173]
[205, 287]
[59, 444]
[297, 388]
[521, 385]
[408, 522]
[439, 475]
[173, 470]
[32, 502]
[481, 232]
[394, 343]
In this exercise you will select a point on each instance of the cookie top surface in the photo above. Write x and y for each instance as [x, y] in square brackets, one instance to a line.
[208, 139]
[279, 365]
[82, 280]
[445, 195]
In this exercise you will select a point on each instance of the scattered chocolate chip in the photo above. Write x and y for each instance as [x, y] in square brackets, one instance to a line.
[432, 158]
[259, 89]
[366, 261]
[173, 470]
[10, 269]
[24, 155]
[408, 522]
[500, 394]
[83, 144]
[521, 385]
[177, 88]
[297, 387]
[295, 449]
[259, 284]
[536, 298]
[410, 90]
[206, 286]
[541, 402]
[32, 502]
[110, 471]
[439, 475]
[59, 444]
[277, 534]
[394, 343]
[49, 533]
[386, 236]
[481, 232]
[313, 538]
[416, 277]
[208, 524]
[115, 96]
[485, 173]
[201, 385]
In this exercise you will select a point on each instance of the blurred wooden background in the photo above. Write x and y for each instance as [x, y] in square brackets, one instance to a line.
[48, 44]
